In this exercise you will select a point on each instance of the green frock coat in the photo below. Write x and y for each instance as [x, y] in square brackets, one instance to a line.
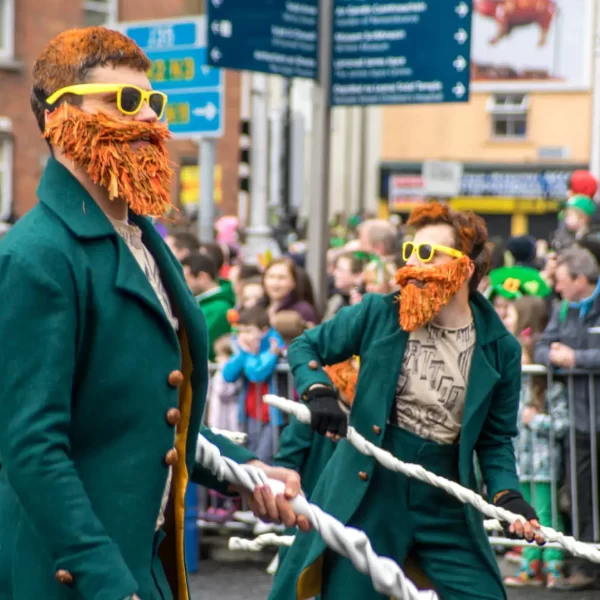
[371, 331]
[99, 393]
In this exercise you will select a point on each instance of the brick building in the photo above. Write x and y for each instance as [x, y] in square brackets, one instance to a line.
[25, 28]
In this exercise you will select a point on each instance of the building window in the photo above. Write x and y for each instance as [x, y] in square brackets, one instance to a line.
[508, 116]
[7, 28]
[100, 12]
[5, 177]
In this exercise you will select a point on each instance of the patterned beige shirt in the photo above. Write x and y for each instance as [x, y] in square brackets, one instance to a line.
[431, 389]
[132, 236]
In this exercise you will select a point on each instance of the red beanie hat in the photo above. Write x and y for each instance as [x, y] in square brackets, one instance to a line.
[583, 182]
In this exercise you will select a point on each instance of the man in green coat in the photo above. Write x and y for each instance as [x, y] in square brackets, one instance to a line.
[104, 349]
[439, 381]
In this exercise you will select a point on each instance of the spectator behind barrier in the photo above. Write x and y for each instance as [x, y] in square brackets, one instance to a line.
[347, 275]
[182, 244]
[379, 237]
[215, 296]
[257, 348]
[571, 341]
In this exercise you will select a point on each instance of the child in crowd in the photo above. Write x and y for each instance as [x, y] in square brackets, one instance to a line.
[257, 348]
[252, 292]
[222, 413]
[289, 325]
[543, 422]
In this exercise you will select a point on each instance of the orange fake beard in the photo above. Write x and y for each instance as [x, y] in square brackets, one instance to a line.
[419, 305]
[102, 146]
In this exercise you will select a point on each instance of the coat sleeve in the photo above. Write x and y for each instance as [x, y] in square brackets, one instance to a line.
[234, 367]
[331, 342]
[294, 445]
[260, 367]
[550, 335]
[38, 328]
[494, 447]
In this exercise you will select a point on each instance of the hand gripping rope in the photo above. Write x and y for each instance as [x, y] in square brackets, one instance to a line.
[387, 577]
[466, 496]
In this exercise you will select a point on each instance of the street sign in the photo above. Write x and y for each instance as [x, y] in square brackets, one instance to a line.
[442, 178]
[279, 37]
[387, 52]
[177, 49]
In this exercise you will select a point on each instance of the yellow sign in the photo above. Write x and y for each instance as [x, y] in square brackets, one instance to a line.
[173, 69]
[178, 113]
[189, 180]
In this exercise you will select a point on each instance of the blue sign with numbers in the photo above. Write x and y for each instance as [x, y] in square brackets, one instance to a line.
[280, 37]
[387, 52]
[177, 49]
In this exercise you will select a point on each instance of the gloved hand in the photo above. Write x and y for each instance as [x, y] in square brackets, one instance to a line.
[326, 415]
[514, 502]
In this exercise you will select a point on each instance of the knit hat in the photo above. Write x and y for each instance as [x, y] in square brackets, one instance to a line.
[514, 282]
[522, 248]
[583, 203]
[583, 182]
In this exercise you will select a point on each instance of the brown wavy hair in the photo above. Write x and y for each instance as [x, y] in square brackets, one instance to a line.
[470, 230]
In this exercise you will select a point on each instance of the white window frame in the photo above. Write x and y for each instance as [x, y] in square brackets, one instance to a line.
[110, 9]
[6, 166]
[7, 22]
[514, 107]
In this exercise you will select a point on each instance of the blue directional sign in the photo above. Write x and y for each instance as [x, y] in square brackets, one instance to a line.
[177, 49]
[278, 37]
[387, 52]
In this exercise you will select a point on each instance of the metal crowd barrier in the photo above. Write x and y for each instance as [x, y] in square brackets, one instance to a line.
[574, 483]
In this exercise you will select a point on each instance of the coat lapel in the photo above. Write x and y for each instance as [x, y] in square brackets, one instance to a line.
[390, 354]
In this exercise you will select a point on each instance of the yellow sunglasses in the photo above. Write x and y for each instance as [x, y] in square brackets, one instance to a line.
[426, 252]
[130, 98]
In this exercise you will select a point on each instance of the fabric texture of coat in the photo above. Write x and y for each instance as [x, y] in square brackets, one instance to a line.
[99, 393]
[371, 330]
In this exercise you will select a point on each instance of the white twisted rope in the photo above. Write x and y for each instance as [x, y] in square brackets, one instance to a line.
[237, 437]
[260, 542]
[387, 577]
[466, 496]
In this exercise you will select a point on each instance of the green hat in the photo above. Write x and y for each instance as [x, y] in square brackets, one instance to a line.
[582, 203]
[514, 282]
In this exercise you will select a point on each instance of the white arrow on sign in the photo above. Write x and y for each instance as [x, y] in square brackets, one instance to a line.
[462, 10]
[459, 90]
[460, 64]
[208, 112]
[215, 26]
[205, 70]
[216, 54]
[461, 36]
[217, 3]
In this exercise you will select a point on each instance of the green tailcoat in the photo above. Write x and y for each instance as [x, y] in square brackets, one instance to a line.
[90, 368]
[371, 331]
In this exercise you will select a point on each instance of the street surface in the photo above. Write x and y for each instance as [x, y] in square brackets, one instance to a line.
[249, 581]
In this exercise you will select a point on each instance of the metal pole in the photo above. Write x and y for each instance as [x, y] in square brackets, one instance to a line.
[286, 209]
[595, 149]
[319, 200]
[259, 232]
[206, 208]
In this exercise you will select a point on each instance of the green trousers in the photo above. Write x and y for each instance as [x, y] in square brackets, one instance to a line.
[539, 495]
[409, 517]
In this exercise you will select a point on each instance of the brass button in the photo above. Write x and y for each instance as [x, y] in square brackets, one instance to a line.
[64, 577]
[363, 475]
[175, 378]
[313, 364]
[171, 457]
[173, 416]
[376, 430]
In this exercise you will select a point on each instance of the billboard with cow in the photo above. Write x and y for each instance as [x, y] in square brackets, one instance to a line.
[532, 44]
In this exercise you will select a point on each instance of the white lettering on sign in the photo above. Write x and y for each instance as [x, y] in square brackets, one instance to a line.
[161, 37]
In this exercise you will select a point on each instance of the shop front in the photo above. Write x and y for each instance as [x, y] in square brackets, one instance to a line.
[514, 199]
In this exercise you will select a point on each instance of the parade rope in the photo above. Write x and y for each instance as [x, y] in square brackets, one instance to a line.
[261, 542]
[387, 577]
[466, 496]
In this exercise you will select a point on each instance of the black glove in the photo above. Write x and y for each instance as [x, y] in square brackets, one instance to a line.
[515, 503]
[326, 416]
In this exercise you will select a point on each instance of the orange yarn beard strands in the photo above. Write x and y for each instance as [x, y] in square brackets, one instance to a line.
[419, 305]
[102, 146]
[344, 377]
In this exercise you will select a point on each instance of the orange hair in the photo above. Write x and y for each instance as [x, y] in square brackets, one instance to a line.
[470, 232]
[68, 58]
[344, 377]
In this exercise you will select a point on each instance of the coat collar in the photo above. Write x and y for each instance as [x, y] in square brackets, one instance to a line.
[70, 202]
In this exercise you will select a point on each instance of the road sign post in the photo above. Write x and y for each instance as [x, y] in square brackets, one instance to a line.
[401, 52]
[279, 38]
[177, 49]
